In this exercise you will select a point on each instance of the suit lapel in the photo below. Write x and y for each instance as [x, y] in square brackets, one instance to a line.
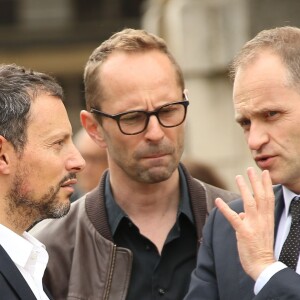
[13, 276]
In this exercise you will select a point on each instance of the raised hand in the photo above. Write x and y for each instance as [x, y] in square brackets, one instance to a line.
[255, 227]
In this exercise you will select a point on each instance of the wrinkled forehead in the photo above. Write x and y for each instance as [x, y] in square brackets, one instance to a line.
[259, 96]
[265, 73]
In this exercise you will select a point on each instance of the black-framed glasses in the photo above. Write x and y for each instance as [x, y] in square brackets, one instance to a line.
[136, 121]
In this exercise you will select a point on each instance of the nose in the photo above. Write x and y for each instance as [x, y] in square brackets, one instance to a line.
[75, 162]
[257, 137]
[154, 130]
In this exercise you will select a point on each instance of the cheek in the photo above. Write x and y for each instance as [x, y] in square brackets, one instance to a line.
[25, 187]
[44, 172]
[122, 143]
[292, 140]
[180, 136]
[23, 182]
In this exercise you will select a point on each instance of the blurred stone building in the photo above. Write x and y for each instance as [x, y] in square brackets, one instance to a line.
[57, 36]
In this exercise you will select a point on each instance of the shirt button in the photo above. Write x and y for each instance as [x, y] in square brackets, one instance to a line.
[161, 291]
[148, 248]
[129, 224]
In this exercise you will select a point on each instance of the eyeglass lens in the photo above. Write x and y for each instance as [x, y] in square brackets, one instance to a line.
[170, 115]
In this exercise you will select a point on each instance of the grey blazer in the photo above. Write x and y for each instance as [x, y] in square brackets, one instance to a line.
[219, 274]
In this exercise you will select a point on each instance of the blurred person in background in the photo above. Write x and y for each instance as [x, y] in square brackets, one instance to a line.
[95, 163]
[204, 172]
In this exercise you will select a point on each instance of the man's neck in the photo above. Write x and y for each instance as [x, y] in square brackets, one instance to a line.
[151, 207]
[13, 221]
[144, 198]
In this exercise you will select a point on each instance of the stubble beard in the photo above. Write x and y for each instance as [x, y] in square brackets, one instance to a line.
[25, 210]
[155, 174]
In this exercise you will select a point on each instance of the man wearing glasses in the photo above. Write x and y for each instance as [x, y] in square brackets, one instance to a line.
[136, 235]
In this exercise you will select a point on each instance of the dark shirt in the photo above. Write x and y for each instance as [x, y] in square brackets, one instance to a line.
[156, 276]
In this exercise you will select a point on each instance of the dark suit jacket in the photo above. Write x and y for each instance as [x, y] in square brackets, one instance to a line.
[219, 274]
[13, 286]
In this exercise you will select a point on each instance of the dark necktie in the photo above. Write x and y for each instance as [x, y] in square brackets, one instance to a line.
[290, 251]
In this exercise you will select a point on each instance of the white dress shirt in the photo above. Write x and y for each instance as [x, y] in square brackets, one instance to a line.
[30, 257]
[282, 233]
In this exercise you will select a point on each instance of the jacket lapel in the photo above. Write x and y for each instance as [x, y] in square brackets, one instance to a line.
[13, 276]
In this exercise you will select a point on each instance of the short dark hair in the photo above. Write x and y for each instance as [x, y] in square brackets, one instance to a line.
[19, 87]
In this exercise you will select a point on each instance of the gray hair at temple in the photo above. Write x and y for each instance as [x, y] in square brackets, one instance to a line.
[18, 88]
[282, 41]
[127, 40]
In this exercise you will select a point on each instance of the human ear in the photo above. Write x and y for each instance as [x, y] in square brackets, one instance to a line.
[186, 94]
[93, 128]
[5, 148]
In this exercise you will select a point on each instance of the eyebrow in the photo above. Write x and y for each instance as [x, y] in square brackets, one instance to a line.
[59, 135]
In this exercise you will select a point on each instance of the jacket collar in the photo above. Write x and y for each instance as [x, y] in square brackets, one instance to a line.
[12, 274]
[96, 211]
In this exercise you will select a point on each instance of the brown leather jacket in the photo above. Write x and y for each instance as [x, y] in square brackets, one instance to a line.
[84, 262]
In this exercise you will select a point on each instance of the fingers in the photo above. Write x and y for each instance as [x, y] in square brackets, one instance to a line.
[262, 198]
[262, 190]
[269, 202]
[249, 202]
[259, 203]
[257, 186]
[232, 217]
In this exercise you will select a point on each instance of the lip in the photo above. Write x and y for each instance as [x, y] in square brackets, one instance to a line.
[69, 182]
[155, 157]
[264, 161]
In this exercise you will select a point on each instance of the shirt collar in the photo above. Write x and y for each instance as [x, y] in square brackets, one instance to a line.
[10, 241]
[116, 214]
[288, 196]
[185, 203]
